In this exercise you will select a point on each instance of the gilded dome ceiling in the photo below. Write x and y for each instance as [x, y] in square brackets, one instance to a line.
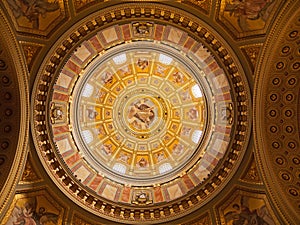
[136, 113]
[141, 112]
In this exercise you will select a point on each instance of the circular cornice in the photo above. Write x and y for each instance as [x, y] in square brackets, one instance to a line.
[276, 113]
[236, 113]
[14, 109]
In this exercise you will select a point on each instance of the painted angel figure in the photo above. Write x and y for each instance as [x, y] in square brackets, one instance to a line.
[249, 10]
[32, 9]
[242, 214]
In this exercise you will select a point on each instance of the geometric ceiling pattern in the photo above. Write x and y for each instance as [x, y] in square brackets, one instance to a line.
[141, 112]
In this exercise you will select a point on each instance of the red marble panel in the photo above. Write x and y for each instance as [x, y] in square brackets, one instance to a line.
[88, 179]
[117, 195]
[213, 66]
[73, 159]
[218, 72]
[76, 60]
[219, 98]
[216, 153]
[223, 97]
[166, 194]
[59, 138]
[194, 178]
[60, 129]
[205, 161]
[211, 160]
[158, 32]
[68, 72]
[125, 197]
[206, 165]
[209, 60]
[221, 136]
[222, 129]
[76, 167]
[96, 44]
[188, 182]
[207, 71]
[60, 97]
[182, 187]
[226, 138]
[183, 39]
[67, 153]
[89, 47]
[119, 32]
[165, 32]
[102, 187]
[96, 182]
[158, 196]
[196, 47]
[59, 88]
[73, 67]
[189, 43]
[224, 89]
[126, 32]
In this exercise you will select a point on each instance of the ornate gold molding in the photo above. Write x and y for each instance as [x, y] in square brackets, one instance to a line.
[252, 53]
[14, 91]
[276, 128]
[30, 50]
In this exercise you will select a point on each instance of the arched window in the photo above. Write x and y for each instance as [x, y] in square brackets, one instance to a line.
[119, 168]
[196, 91]
[164, 168]
[196, 136]
[87, 136]
[87, 91]
[120, 59]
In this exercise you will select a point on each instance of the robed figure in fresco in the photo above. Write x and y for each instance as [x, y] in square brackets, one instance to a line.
[32, 9]
[248, 10]
[242, 214]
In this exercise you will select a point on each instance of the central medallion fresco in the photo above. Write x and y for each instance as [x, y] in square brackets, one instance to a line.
[142, 112]
[139, 113]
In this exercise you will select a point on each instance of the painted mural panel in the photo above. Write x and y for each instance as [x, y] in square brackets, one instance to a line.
[36, 208]
[246, 208]
[36, 16]
[201, 5]
[242, 17]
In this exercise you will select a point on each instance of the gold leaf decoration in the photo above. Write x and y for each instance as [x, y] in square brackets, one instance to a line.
[30, 52]
[251, 175]
[79, 4]
[29, 174]
[203, 5]
[201, 220]
[80, 221]
[252, 53]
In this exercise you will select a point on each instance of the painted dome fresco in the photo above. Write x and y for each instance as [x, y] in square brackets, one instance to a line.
[138, 114]
[149, 112]
[141, 115]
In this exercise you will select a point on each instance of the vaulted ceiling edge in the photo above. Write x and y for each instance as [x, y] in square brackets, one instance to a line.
[14, 108]
[276, 113]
